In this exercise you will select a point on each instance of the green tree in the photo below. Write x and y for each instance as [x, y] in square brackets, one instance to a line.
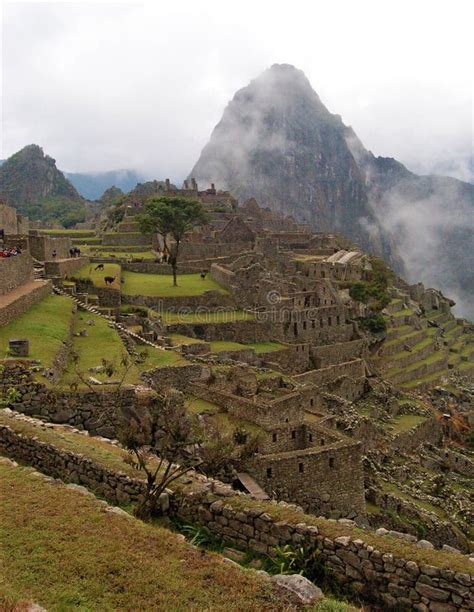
[172, 216]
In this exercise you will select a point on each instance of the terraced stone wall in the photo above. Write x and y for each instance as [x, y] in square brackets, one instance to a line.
[65, 267]
[14, 272]
[389, 580]
[13, 310]
[42, 247]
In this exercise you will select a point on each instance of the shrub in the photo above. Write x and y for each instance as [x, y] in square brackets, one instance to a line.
[358, 292]
[374, 323]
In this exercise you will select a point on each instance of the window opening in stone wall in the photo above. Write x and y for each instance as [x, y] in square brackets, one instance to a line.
[274, 437]
[269, 472]
[331, 462]
[301, 468]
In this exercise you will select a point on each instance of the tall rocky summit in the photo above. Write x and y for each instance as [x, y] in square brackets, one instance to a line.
[277, 142]
[31, 183]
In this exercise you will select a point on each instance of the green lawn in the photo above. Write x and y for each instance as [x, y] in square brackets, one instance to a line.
[73, 233]
[46, 325]
[63, 552]
[97, 276]
[259, 347]
[177, 339]
[405, 422]
[161, 285]
[220, 316]
[196, 405]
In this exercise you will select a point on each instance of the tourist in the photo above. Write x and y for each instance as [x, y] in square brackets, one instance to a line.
[54, 253]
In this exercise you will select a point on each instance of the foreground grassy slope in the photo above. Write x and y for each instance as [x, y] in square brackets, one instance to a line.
[62, 551]
[46, 325]
[110, 456]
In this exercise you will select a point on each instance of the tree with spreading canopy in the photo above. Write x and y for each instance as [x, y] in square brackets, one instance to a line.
[172, 216]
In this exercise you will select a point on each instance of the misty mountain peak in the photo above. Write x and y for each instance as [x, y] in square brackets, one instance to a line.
[277, 142]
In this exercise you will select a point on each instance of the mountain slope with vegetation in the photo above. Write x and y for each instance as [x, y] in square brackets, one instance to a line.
[31, 183]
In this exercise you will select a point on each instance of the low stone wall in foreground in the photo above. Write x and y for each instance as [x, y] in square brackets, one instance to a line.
[382, 577]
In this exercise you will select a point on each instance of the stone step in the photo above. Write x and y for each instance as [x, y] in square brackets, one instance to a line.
[252, 487]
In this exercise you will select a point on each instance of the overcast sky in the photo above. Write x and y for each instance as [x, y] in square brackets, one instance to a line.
[141, 85]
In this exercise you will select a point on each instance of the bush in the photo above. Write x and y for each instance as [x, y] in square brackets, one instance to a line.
[358, 292]
[374, 323]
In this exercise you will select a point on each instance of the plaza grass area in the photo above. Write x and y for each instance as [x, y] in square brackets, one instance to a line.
[63, 552]
[89, 272]
[220, 316]
[259, 347]
[161, 285]
[103, 342]
[46, 325]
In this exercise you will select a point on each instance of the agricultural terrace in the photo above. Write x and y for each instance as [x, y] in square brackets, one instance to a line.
[161, 285]
[47, 326]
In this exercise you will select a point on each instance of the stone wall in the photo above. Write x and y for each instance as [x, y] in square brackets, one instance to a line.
[340, 352]
[199, 250]
[282, 411]
[8, 219]
[180, 377]
[15, 271]
[244, 332]
[126, 239]
[325, 479]
[207, 302]
[429, 431]
[353, 369]
[65, 267]
[95, 412]
[379, 576]
[41, 246]
[13, 310]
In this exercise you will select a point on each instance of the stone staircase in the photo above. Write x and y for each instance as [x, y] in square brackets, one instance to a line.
[128, 336]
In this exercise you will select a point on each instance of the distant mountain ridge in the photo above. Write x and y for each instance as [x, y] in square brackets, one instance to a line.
[92, 185]
[277, 142]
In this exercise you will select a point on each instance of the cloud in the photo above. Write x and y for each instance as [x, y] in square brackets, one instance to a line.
[141, 85]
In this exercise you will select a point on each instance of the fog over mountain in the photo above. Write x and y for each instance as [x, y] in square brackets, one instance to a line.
[276, 141]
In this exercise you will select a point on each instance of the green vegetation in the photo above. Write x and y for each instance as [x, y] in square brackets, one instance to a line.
[56, 209]
[46, 325]
[103, 342]
[124, 254]
[178, 339]
[72, 233]
[219, 316]
[97, 276]
[172, 216]
[218, 346]
[161, 285]
[374, 291]
[196, 405]
[374, 323]
[62, 551]
[406, 422]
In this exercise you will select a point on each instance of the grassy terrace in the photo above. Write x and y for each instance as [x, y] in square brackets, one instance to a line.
[73, 233]
[103, 341]
[130, 254]
[60, 550]
[46, 325]
[97, 276]
[389, 487]
[110, 456]
[220, 316]
[259, 347]
[405, 422]
[161, 285]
